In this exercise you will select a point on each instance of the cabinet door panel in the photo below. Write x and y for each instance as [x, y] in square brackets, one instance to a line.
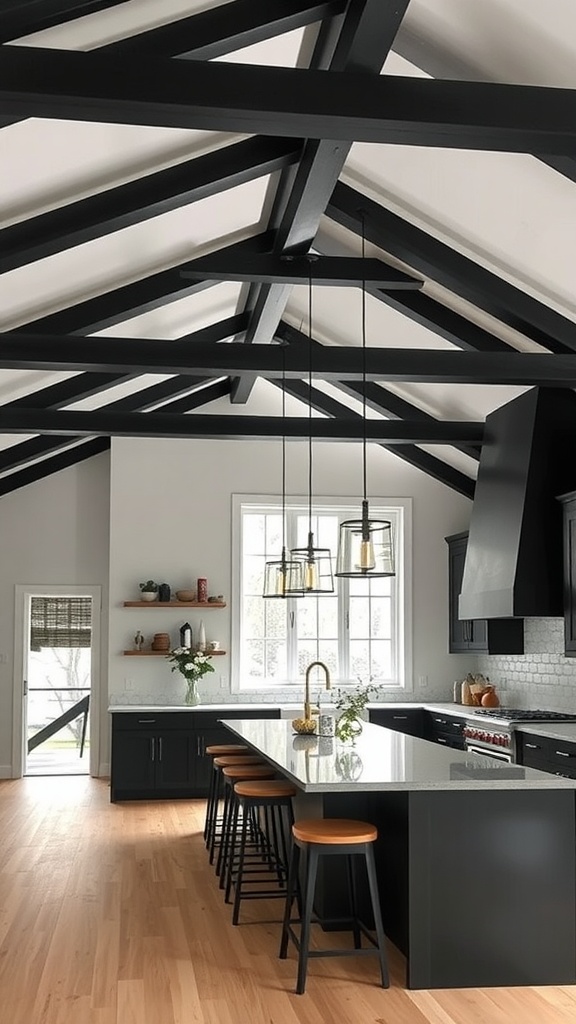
[175, 762]
[133, 760]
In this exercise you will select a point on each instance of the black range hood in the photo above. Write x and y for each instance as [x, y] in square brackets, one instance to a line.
[513, 564]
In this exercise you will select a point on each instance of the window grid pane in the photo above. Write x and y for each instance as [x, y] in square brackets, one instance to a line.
[352, 631]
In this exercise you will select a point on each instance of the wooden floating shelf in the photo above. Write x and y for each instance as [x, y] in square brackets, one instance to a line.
[175, 604]
[163, 654]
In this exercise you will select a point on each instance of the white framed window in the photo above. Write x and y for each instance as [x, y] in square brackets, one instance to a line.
[361, 631]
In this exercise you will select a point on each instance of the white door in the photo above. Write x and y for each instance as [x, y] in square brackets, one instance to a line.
[56, 681]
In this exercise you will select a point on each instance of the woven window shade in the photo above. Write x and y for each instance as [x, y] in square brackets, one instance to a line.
[60, 622]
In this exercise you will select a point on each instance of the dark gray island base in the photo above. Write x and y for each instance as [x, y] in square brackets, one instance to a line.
[476, 859]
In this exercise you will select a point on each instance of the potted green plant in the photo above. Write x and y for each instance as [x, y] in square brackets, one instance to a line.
[351, 704]
[149, 590]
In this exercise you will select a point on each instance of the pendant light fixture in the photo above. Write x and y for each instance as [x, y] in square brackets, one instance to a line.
[365, 546]
[283, 577]
[317, 576]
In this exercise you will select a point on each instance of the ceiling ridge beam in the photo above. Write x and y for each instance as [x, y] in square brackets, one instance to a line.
[360, 42]
[139, 200]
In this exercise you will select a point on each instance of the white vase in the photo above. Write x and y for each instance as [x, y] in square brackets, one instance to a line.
[201, 637]
[149, 595]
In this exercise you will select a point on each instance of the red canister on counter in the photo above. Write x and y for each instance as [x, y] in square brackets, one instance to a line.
[202, 589]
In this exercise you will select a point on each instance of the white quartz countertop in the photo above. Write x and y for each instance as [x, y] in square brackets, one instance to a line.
[556, 730]
[381, 759]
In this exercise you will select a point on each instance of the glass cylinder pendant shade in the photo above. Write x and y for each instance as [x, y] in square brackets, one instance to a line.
[316, 568]
[365, 547]
[283, 578]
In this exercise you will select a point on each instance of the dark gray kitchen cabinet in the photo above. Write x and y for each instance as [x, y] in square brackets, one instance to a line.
[569, 575]
[407, 720]
[482, 636]
[448, 730]
[546, 754]
[162, 754]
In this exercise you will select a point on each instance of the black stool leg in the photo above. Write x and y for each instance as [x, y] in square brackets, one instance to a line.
[378, 926]
[309, 889]
[210, 807]
[226, 816]
[228, 866]
[291, 890]
[240, 871]
[353, 902]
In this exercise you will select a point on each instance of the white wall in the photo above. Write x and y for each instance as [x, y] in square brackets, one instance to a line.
[170, 521]
[54, 531]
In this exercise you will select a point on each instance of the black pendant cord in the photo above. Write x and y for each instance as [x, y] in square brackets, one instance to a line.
[310, 545]
[283, 557]
[365, 530]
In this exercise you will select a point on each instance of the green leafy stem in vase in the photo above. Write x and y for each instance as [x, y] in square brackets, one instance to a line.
[351, 704]
[192, 665]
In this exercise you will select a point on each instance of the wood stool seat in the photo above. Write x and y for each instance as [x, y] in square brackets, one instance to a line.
[334, 831]
[236, 772]
[321, 837]
[229, 760]
[265, 788]
[220, 749]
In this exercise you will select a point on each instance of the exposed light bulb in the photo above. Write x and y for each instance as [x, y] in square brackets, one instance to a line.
[367, 560]
[281, 582]
[311, 576]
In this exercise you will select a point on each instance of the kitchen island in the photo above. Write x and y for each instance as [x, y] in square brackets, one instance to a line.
[476, 858]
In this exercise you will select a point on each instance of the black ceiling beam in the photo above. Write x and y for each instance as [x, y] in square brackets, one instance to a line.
[439, 62]
[130, 300]
[40, 470]
[421, 308]
[411, 454]
[226, 27]
[436, 261]
[23, 17]
[43, 445]
[137, 201]
[359, 42]
[179, 391]
[162, 424]
[378, 398]
[331, 362]
[343, 271]
[84, 385]
[294, 102]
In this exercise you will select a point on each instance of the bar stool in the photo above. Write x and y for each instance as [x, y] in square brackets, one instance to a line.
[231, 775]
[320, 837]
[218, 750]
[270, 800]
[214, 831]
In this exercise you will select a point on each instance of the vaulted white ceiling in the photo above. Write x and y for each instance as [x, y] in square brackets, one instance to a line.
[487, 233]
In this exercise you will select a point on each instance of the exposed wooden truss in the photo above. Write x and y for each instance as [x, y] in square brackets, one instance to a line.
[303, 121]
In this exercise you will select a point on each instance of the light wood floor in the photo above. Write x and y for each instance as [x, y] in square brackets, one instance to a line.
[110, 914]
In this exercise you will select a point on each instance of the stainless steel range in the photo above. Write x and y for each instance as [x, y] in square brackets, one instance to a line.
[491, 730]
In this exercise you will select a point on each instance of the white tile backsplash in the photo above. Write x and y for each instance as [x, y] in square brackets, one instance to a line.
[542, 677]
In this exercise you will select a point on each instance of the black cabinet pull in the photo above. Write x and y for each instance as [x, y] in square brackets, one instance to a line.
[146, 721]
[152, 749]
[159, 748]
[399, 718]
[562, 753]
[532, 746]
